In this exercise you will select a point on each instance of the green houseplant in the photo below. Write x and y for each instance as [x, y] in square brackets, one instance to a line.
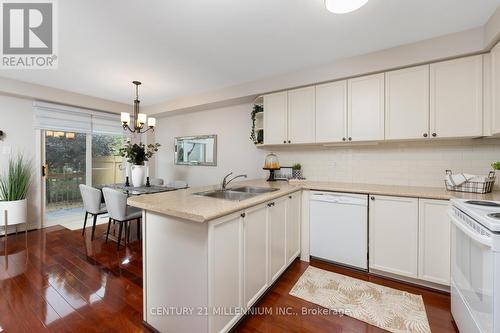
[254, 136]
[495, 165]
[137, 154]
[14, 186]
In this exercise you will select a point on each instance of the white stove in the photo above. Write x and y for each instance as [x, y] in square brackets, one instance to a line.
[475, 265]
[487, 213]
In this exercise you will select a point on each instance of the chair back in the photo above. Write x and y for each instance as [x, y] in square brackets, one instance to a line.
[156, 181]
[116, 202]
[92, 198]
[178, 184]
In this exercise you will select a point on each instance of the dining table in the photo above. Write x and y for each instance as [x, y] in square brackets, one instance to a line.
[138, 190]
[133, 191]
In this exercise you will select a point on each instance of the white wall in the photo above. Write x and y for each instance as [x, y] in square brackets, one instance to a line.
[16, 120]
[235, 152]
[406, 163]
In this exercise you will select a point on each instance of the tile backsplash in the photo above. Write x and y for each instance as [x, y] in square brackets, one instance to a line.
[409, 163]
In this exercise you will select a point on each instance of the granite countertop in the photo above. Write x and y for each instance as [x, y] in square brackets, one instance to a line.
[185, 205]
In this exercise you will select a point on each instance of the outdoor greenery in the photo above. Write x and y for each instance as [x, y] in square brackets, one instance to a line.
[66, 161]
[138, 153]
[14, 184]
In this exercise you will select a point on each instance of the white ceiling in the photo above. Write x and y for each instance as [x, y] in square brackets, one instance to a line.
[182, 47]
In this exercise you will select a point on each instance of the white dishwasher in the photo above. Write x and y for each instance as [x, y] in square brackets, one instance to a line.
[339, 228]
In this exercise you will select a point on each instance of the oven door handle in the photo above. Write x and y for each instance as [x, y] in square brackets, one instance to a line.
[485, 241]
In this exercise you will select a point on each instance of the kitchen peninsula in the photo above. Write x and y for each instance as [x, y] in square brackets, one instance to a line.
[207, 260]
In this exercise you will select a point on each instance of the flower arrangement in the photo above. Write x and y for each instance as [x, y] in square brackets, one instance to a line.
[139, 153]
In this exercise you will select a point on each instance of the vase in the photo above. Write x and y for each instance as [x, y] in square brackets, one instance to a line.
[297, 174]
[138, 175]
[17, 212]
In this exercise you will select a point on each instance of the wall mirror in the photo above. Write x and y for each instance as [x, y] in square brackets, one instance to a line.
[196, 150]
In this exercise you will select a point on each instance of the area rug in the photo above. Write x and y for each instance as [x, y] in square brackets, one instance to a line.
[390, 309]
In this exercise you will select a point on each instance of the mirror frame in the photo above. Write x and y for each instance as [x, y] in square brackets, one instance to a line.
[197, 137]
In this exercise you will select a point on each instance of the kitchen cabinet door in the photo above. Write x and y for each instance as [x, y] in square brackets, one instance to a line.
[495, 90]
[225, 273]
[394, 235]
[293, 218]
[277, 237]
[255, 253]
[456, 98]
[434, 241]
[407, 103]
[301, 109]
[365, 108]
[331, 112]
[275, 118]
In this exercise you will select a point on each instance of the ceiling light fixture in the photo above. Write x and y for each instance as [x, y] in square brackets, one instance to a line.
[344, 6]
[138, 119]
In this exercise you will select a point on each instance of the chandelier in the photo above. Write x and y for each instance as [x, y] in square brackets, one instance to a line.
[139, 120]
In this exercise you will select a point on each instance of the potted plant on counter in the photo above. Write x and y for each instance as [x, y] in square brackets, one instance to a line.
[14, 186]
[297, 171]
[495, 166]
[137, 155]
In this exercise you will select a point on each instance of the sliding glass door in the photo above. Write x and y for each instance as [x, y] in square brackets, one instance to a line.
[65, 168]
[72, 159]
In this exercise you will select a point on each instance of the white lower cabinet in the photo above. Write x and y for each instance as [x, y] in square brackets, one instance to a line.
[293, 217]
[434, 241]
[248, 251]
[277, 237]
[255, 249]
[394, 235]
[410, 237]
[225, 270]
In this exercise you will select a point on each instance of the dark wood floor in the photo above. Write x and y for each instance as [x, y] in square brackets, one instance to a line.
[59, 281]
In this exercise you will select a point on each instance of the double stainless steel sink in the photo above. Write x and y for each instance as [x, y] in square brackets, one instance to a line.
[237, 193]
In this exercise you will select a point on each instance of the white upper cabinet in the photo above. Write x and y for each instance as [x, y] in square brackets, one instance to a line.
[407, 103]
[331, 112]
[365, 108]
[301, 109]
[275, 118]
[456, 98]
[495, 90]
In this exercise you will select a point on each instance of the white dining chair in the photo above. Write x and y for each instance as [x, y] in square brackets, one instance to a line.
[178, 184]
[156, 181]
[120, 212]
[92, 203]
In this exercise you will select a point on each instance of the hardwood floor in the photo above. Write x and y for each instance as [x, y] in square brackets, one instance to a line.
[437, 306]
[59, 281]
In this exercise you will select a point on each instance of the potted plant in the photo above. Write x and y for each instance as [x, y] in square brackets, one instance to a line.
[14, 186]
[297, 171]
[137, 154]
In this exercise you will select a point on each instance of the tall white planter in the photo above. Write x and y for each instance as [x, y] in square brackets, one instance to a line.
[138, 175]
[17, 212]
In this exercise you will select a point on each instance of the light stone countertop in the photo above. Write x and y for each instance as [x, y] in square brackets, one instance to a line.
[183, 204]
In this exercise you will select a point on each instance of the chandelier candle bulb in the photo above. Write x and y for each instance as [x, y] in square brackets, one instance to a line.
[141, 118]
[151, 122]
[125, 117]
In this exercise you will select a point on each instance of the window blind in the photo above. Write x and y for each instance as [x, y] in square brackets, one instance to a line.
[49, 116]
